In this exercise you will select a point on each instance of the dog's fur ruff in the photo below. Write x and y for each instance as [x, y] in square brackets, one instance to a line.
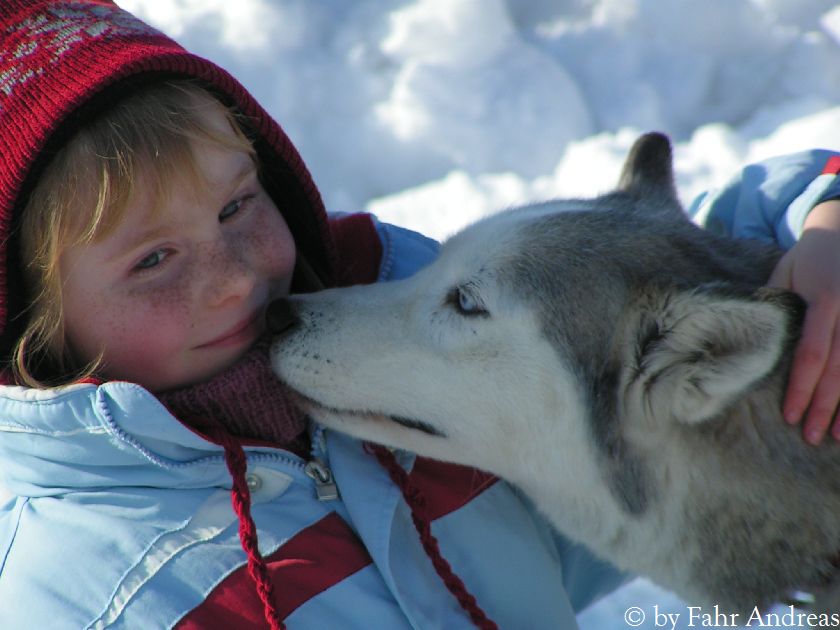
[621, 366]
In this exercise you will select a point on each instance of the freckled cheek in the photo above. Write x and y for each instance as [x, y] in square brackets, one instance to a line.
[145, 330]
[276, 252]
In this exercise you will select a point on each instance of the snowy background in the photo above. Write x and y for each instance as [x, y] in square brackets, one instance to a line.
[432, 113]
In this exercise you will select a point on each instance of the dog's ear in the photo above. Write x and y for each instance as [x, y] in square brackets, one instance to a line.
[698, 351]
[648, 170]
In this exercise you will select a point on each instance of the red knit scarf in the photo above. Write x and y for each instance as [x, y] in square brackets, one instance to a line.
[247, 401]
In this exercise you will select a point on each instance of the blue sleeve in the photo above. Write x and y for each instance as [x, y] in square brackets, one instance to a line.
[770, 200]
[586, 577]
[403, 251]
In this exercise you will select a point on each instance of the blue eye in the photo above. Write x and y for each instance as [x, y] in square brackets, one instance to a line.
[466, 303]
[234, 207]
[152, 260]
[229, 210]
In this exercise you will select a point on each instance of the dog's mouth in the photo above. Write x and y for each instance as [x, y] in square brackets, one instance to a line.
[417, 425]
[310, 405]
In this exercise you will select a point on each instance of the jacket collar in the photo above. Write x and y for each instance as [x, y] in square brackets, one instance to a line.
[86, 436]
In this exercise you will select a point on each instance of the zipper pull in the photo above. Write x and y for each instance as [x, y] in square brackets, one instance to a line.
[325, 487]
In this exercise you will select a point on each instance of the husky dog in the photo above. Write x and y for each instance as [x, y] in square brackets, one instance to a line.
[621, 366]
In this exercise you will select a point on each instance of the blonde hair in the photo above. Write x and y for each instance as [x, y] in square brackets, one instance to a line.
[83, 193]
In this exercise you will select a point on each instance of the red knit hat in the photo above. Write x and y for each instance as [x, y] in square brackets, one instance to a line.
[61, 62]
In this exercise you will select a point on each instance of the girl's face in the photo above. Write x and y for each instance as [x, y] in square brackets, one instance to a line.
[171, 298]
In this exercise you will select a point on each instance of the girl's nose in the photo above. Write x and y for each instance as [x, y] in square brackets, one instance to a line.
[230, 277]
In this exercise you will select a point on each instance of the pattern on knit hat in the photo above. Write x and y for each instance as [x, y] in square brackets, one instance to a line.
[46, 37]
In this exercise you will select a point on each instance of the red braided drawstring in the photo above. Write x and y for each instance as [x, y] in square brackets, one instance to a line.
[417, 503]
[237, 464]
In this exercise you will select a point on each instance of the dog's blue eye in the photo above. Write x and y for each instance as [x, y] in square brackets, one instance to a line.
[466, 303]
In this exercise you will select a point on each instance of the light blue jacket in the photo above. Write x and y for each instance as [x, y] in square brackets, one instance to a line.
[122, 518]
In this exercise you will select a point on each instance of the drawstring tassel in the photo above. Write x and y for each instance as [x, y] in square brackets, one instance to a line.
[417, 503]
[237, 464]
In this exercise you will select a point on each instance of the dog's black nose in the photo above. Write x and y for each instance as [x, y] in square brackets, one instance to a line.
[280, 316]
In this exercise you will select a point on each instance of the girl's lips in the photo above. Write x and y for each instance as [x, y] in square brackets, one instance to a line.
[244, 332]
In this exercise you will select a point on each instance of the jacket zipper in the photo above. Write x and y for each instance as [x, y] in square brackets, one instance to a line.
[319, 472]
[315, 468]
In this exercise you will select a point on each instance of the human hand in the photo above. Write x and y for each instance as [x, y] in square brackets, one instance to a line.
[812, 269]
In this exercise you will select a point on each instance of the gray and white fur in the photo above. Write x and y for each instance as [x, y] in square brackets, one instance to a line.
[622, 367]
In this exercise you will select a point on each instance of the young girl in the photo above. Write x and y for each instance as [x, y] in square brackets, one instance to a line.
[150, 212]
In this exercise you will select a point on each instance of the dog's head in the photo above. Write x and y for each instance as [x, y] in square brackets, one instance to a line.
[544, 325]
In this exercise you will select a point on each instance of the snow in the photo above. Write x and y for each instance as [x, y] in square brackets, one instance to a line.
[431, 113]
